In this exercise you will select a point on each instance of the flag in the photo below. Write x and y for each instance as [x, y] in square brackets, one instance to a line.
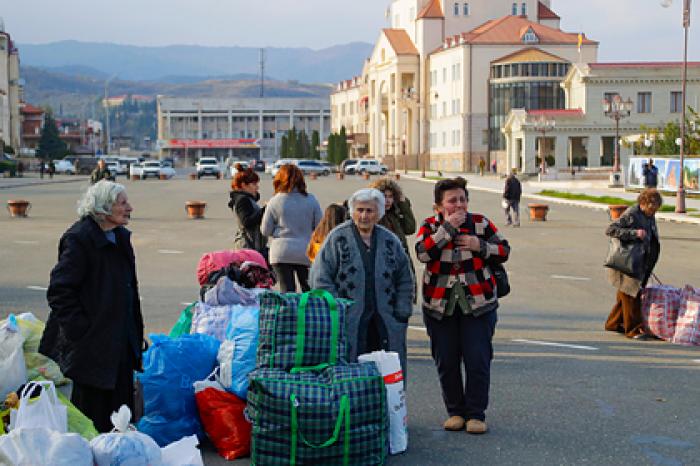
[580, 41]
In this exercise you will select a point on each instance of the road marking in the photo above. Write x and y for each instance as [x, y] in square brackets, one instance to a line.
[561, 345]
[170, 251]
[37, 288]
[567, 277]
[185, 304]
[26, 242]
[414, 327]
[696, 360]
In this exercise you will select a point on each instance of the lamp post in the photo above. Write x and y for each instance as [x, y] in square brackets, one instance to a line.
[542, 124]
[407, 99]
[680, 196]
[617, 109]
[106, 105]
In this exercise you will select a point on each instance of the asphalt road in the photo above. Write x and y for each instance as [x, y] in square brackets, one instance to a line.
[602, 400]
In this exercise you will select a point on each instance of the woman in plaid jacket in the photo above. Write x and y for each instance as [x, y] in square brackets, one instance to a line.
[460, 301]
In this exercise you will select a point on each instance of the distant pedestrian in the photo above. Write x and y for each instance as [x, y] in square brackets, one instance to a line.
[101, 172]
[650, 174]
[636, 226]
[494, 166]
[333, 216]
[41, 168]
[511, 199]
[245, 194]
[482, 166]
[290, 218]
[52, 169]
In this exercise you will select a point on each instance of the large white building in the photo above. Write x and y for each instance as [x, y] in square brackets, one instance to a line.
[10, 91]
[433, 92]
[241, 128]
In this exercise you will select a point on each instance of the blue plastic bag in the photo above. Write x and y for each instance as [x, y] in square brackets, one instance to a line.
[170, 367]
[237, 353]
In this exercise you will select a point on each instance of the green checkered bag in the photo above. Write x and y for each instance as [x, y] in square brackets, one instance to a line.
[301, 332]
[337, 416]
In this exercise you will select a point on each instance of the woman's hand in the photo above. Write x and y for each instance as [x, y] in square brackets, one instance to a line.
[468, 243]
[457, 218]
[641, 233]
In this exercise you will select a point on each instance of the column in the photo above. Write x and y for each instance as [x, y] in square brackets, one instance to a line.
[561, 152]
[529, 153]
[200, 124]
[510, 163]
[291, 119]
[594, 149]
[321, 130]
[276, 138]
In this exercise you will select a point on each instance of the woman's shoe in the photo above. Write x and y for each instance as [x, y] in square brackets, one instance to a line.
[476, 427]
[454, 423]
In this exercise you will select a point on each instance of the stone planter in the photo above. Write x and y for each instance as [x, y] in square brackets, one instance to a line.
[365, 176]
[340, 176]
[538, 212]
[163, 177]
[195, 209]
[193, 176]
[18, 207]
[313, 176]
[616, 210]
[397, 176]
[219, 176]
[135, 177]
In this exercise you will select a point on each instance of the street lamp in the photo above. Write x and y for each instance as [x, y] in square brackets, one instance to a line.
[617, 109]
[407, 99]
[542, 124]
[680, 197]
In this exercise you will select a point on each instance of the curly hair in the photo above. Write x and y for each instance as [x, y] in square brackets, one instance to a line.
[385, 185]
[449, 184]
[289, 178]
[243, 176]
[98, 200]
[650, 196]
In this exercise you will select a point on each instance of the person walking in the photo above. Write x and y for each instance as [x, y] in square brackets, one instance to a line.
[651, 174]
[636, 225]
[333, 216]
[52, 168]
[244, 197]
[101, 172]
[363, 261]
[95, 327]
[460, 301]
[511, 199]
[289, 219]
[41, 168]
[482, 166]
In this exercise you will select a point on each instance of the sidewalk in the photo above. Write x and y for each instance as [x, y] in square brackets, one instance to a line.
[33, 179]
[494, 184]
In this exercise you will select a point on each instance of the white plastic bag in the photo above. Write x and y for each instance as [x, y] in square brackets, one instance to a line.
[43, 411]
[390, 367]
[12, 365]
[43, 447]
[125, 446]
[184, 452]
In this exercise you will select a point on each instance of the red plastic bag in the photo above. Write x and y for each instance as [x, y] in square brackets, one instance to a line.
[213, 261]
[660, 306]
[224, 422]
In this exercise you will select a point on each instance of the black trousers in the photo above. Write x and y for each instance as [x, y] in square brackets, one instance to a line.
[98, 404]
[457, 340]
[285, 276]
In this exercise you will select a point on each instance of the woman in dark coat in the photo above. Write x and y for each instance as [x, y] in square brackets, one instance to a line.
[245, 195]
[636, 224]
[95, 327]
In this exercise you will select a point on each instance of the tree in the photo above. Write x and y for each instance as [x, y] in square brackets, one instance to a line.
[299, 145]
[292, 142]
[330, 152]
[315, 144]
[664, 139]
[284, 148]
[50, 144]
[342, 145]
[305, 145]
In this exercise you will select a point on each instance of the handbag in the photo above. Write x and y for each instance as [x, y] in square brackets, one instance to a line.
[626, 257]
[44, 411]
[501, 276]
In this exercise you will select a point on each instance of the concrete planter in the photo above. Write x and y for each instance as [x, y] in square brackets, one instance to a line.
[616, 210]
[397, 176]
[365, 176]
[313, 176]
[538, 212]
[163, 177]
[135, 177]
[18, 207]
[193, 176]
[195, 209]
[340, 176]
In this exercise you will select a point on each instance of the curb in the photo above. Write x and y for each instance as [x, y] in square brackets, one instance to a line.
[673, 218]
[41, 183]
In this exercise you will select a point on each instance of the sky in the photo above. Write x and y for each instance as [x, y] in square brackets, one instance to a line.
[628, 30]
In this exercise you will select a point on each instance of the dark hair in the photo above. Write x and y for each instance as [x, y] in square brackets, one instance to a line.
[650, 196]
[449, 184]
[243, 176]
[385, 184]
[288, 178]
[333, 216]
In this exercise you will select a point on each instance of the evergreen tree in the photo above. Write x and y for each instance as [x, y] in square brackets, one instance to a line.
[342, 145]
[284, 148]
[299, 145]
[315, 143]
[330, 152]
[292, 142]
[50, 144]
[305, 145]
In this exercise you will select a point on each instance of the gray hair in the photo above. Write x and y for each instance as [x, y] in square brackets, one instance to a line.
[99, 199]
[368, 195]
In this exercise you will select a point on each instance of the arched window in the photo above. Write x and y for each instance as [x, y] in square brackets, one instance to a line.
[523, 9]
[465, 9]
[456, 9]
[514, 11]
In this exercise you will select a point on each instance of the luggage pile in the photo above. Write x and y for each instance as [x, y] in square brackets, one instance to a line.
[672, 314]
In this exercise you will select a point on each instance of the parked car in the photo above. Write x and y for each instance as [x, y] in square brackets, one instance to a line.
[208, 166]
[332, 168]
[125, 163]
[65, 166]
[84, 165]
[232, 168]
[136, 169]
[371, 166]
[259, 166]
[114, 168]
[8, 164]
[276, 166]
[312, 166]
[155, 168]
[345, 164]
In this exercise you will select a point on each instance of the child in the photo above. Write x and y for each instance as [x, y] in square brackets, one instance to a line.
[333, 216]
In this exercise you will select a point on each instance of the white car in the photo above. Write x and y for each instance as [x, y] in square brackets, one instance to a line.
[276, 166]
[208, 166]
[64, 166]
[313, 166]
[125, 163]
[156, 168]
[371, 166]
[113, 168]
[135, 169]
[232, 168]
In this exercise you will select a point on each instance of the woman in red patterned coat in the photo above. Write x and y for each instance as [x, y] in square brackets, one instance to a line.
[460, 301]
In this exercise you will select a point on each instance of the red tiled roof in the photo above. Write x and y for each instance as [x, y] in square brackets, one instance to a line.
[572, 112]
[30, 109]
[644, 64]
[543, 12]
[400, 41]
[432, 10]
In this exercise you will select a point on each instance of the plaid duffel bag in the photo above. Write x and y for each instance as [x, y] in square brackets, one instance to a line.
[336, 416]
[301, 331]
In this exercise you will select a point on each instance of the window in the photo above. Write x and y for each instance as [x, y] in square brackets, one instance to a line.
[444, 139]
[444, 108]
[456, 9]
[465, 9]
[523, 9]
[676, 102]
[444, 75]
[644, 102]
[514, 11]
[457, 72]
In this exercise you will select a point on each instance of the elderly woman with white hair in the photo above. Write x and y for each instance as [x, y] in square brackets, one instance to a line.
[95, 327]
[363, 261]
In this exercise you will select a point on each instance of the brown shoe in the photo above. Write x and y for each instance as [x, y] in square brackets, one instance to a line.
[475, 426]
[454, 423]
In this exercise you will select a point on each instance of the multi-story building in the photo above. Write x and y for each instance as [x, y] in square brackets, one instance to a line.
[80, 136]
[433, 86]
[10, 91]
[239, 128]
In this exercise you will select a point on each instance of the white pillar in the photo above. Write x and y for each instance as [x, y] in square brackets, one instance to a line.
[561, 151]
[509, 152]
[529, 152]
[594, 150]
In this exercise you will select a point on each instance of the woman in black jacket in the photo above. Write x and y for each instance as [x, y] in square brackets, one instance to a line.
[95, 327]
[639, 225]
[245, 195]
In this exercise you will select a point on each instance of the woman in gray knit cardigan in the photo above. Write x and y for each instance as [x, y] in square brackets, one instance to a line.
[290, 217]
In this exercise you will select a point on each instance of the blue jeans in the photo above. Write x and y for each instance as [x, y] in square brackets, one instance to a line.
[515, 207]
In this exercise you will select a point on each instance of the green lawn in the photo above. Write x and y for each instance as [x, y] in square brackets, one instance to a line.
[609, 200]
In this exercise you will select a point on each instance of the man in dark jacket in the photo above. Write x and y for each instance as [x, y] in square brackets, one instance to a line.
[101, 172]
[95, 328]
[511, 199]
[651, 174]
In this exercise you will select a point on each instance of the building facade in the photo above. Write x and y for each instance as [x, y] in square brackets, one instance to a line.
[436, 88]
[239, 128]
[10, 91]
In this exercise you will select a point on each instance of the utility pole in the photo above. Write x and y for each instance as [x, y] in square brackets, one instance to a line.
[262, 72]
